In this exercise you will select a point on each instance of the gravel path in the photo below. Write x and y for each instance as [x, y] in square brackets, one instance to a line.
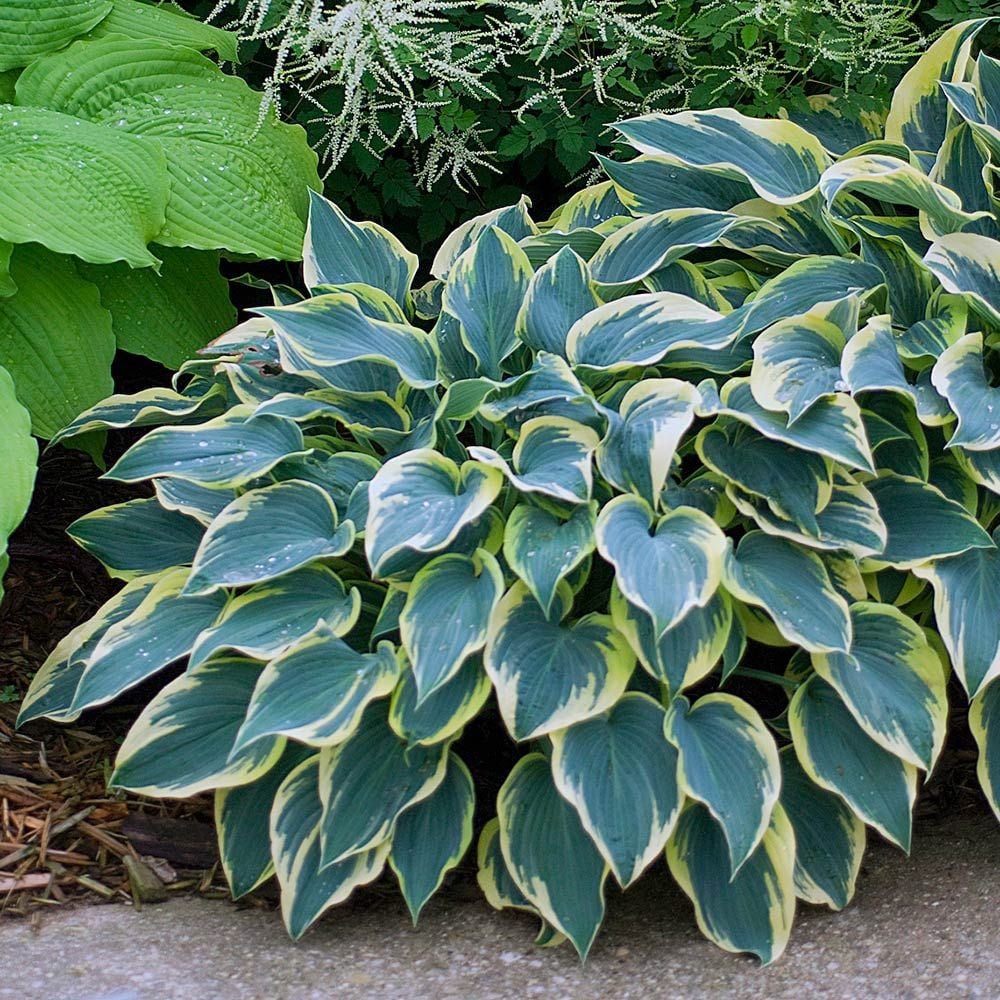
[928, 926]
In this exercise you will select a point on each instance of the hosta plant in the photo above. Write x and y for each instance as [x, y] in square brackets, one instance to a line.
[690, 486]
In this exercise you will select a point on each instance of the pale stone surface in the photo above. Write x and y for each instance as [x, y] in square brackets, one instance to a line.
[927, 927]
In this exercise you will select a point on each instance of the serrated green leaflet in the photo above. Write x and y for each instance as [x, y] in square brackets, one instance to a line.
[620, 774]
[751, 911]
[548, 853]
[838, 755]
[548, 675]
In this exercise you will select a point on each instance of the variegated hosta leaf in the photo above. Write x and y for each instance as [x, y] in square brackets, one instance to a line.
[892, 681]
[832, 426]
[485, 288]
[793, 586]
[984, 722]
[548, 853]
[446, 614]
[267, 533]
[137, 537]
[967, 613]
[553, 456]
[338, 251]
[688, 651]
[637, 452]
[309, 888]
[162, 628]
[54, 686]
[419, 502]
[542, 550]
[441, 715]
[269, 618]
[514, 220]
[840, 756]
[227, 451]
[323, 337]
[922, 522]
[710, 735]
[182, 742]
[558, 294]
[644, 329]
[241, 822]
[620, 774]
[751, 910]
[783, 234]
[655, 241]
[664, 566]
[548, 675]
[779, 159]
[960, 377]
[549, 381]
[829, 838]
[896, 247]
[316, 691]
[969, 265]
[366, 782]
[432, 836]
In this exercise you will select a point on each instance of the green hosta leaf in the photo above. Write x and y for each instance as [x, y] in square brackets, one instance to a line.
[548, 675]
[55, 339]
[892, 681]
[208, 127]
[620, 774]
[485, 289]
[241, 821]
[432, 836]
[553, 456]
[918, 118]
[967, 613]
[655, 241]
[181, 744]
[793, 586]
[137, 537]
[161, 629]
[960, 377]
[558, 294]
[339, 252]
[637, 452]
[666, 566]
[29, 29]
[687, 652]
[780, 160]
[322, 336]
[710, 735]
[57, 169]
[984, 722]
[419, 502]
[797, 362]
[750, 911]
[832, 426]
[644, 329]
[447, 610]
[368, 781]
[267, 533]
[549, 855]
[441, 715]
[542, 550]
[167, 23]
[54, 685]
[968, 264]
[922, 522]
[228, 451]
[167, 316]
[268, 619]
[308, 888]
[829, 838]
[20, 461]
[316, 691]
[838, 755]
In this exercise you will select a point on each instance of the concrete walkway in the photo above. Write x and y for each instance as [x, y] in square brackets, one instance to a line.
[924, 927]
